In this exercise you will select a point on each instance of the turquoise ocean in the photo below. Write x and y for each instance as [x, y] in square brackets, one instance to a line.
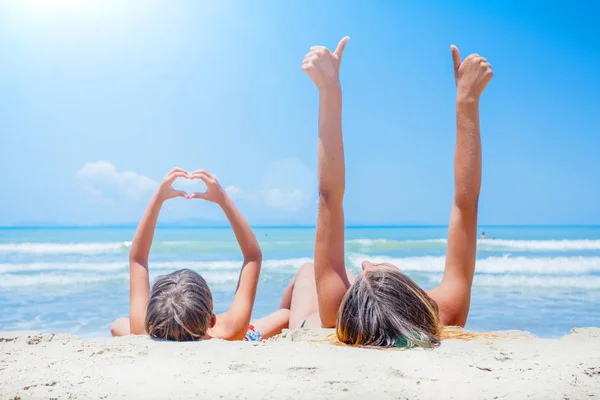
[542, 279]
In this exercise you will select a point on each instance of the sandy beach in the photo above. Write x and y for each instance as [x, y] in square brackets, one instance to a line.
[298, 364]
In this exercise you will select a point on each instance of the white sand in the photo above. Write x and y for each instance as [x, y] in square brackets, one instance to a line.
[45, 366]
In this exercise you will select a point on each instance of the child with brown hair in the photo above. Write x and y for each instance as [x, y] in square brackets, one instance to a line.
[179, 307]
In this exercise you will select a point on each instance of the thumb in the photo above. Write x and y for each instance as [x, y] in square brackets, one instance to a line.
[455, 59]
[198, 195]
[179, 193]
[340, 47]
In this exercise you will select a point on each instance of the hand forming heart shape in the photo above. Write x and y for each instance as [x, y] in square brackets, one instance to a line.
[214, 192]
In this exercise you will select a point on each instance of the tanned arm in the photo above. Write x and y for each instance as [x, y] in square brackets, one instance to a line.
[233, 324]
[454, 293]
[330, 272]
[139, 280]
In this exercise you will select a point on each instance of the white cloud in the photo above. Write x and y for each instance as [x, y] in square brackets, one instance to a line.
[286, 200]
[104, 184]
[102, 181]
[286, 186]
[234, 191]
[290, 200]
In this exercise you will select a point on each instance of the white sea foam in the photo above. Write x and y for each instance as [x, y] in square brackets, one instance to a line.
[289, 264]
[493, 265]
[75, 280]
[213, 278]
[63, 248]
[368, 242]
[39, 267]
[78, 274]
[13, 281]
[521, 282]
[483, 244]
[540, 245]
[363, 245]
[536, 281]
[541, 271]
[9, 281]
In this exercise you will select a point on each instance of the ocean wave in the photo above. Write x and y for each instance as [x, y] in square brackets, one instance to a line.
[77, 281]
[227, 280]
[64, 248]
[488, 265]
[492, 265]
[123, 247]
[390, 244]
[539, 245]
[289, 264]
[540, 270]
[211, 246]
[39, 267]
[514, 281]
[520, 282]
[352, 245]
[482, 244]
[14, 281]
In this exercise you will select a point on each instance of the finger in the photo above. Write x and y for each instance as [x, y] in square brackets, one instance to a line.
[315, 48]
[307, 66]
[208, 181]
[455, 59]
[197, 174]
[177, 169]
[308, 60]
[210, 175]
[205, 172]
[179, 193]
[340, 47]
[198, 195]
[205, 178]
[171, 178]
[199, 171]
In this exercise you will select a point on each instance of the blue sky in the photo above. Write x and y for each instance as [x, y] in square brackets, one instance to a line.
[100, 98]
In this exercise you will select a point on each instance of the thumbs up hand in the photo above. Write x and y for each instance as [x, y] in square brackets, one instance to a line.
[323, 66]
[471, 75]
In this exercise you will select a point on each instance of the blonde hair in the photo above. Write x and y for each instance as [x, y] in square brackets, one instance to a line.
[385, 308]
[180, 307]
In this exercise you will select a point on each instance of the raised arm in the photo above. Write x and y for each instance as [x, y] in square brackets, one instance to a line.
[454, 293]
[139, 280]
[330, 272]
[233, 324]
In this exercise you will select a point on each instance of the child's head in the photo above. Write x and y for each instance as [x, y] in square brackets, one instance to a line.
[180, 307]
[384, 307]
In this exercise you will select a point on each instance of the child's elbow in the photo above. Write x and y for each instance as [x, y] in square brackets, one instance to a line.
[328, 321]
[235, 332]
[137, 329]
[254, 255]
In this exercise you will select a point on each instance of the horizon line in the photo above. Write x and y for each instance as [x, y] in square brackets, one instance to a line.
[293, 226]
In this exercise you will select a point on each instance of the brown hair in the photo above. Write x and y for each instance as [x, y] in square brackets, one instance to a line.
[180, 307]
[385, 308]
